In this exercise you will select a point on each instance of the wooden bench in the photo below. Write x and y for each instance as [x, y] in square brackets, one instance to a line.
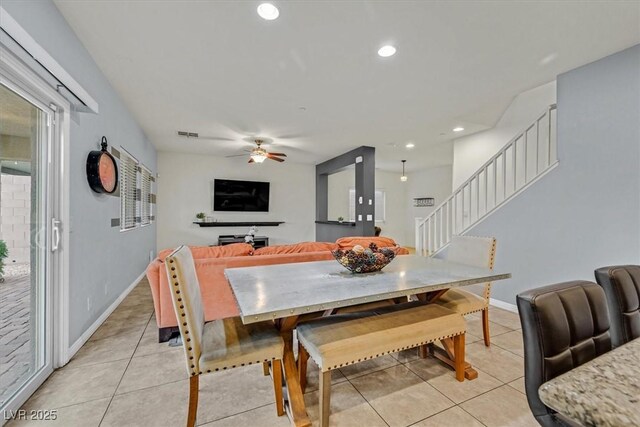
[345, 339]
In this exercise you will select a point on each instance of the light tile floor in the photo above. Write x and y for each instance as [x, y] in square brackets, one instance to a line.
[124, 377]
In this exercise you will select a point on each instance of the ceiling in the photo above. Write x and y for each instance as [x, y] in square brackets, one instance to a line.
[312, 80]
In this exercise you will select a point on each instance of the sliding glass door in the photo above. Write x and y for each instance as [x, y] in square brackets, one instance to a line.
[26, 129]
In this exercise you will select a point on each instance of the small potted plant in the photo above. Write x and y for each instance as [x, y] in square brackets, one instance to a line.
[4, 252]
[340, 219]
[200, 216]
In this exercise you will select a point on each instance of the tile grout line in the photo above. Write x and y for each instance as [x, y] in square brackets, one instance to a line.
[239, 413]
[365, 399]
[471, 415]
[471, 398]
[371, 372]
[123, 374]
[456, 404]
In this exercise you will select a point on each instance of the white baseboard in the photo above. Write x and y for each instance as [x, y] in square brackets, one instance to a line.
[73, 349]
[503, 305]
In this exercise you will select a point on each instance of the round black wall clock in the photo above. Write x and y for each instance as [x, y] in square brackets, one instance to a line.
[102, 170]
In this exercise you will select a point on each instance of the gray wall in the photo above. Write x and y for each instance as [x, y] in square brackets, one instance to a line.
[365, 177]
[585, 213]
[103, 261]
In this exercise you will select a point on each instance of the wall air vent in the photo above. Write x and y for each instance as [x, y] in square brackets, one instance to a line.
[188, 134]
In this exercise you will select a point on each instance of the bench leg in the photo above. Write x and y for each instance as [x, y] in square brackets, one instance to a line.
[265, 368]
[303, 358]
[325, 398]
[277, 385]
[458, 350]
[423, 351]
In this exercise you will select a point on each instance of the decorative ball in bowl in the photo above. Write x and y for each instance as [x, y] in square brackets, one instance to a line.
[361, 260]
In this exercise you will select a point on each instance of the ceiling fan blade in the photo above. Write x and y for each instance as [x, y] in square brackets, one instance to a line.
[251, 160]
[274, 158]
[278, 154]
[236, 155]
[291, 136]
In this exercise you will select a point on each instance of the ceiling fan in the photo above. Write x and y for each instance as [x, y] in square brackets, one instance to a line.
[259, 154]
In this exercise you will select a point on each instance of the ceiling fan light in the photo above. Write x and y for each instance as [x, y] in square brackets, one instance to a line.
[258, 157]
[403, 178]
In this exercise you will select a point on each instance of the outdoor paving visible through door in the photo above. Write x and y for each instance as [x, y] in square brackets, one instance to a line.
[15, 353]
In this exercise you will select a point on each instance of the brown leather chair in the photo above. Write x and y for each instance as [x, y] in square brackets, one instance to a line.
[621, 284]
[563, 326]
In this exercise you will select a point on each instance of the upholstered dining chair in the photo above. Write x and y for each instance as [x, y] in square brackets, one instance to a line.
[221, 344]
[563, 326]
[477, 252]
[621, 284]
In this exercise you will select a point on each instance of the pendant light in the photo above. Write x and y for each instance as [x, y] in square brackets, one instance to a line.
[403, 178]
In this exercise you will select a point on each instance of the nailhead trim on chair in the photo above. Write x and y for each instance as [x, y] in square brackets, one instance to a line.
[492, 258]
[182, 314]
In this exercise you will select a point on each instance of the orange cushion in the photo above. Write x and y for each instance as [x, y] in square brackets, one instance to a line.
[217, 297]
[350, 242]
[201, 252]
[297, 248]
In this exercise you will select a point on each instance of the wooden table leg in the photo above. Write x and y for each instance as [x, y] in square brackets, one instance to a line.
[446, 356]
[295, 398]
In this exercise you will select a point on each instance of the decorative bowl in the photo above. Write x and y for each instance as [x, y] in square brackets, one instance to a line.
[361, 260]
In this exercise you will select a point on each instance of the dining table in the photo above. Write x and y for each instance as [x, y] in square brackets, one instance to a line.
[289, 293]
[604, 392]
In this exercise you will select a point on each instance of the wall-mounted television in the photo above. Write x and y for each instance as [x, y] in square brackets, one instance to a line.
[240, 196]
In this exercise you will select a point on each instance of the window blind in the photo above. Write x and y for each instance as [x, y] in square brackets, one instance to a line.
[128, 184]
[145, 196]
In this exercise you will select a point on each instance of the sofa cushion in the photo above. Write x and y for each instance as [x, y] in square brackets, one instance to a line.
[202, 252]
[350, 242]
[297, 248]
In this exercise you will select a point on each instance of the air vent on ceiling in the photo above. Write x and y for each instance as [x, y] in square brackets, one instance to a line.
[188, 134]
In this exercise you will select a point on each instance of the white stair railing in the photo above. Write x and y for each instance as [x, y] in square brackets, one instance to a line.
[512, 169]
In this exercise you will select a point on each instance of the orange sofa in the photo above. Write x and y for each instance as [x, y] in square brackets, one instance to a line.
[217, 296]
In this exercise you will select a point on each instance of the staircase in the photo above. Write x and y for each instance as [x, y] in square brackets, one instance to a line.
[524, 160]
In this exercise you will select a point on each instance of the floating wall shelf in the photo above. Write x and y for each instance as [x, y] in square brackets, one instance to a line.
[239, 224]
[344, 223]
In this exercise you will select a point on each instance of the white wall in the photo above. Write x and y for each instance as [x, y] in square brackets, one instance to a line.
[104, 262]
[397, 203]
[433, 182]
[583, 214]
[184, 188]
[15, 229]
[471, 152]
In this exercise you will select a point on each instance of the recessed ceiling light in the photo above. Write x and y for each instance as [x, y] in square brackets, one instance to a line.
[386, 51]
[458, 129]
[410, 145]
[268, 11]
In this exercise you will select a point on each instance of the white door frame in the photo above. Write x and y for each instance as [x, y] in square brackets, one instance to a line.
[18, 77]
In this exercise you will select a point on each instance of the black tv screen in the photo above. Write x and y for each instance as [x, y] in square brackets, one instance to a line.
[240, 196]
